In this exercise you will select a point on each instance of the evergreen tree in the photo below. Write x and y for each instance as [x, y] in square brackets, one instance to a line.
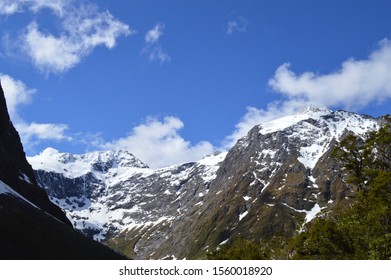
[364, 230]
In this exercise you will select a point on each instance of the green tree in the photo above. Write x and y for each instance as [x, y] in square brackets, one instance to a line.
[352, 153]
[364, 230]
[324, 239]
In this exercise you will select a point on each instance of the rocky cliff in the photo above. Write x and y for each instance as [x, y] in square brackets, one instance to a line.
[15, 171]
[32, 227]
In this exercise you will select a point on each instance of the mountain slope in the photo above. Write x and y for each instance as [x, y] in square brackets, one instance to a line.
[272, 182]
[125, 195]
[15, 171]
[31, 227]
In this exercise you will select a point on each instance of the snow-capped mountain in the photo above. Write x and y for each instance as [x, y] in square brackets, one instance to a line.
[105, 193]
[273, 181]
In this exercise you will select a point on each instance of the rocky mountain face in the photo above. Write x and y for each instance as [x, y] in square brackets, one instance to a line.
[32, 227]
[15, 171]
[276, 179]
[272, 182]
[113, 197]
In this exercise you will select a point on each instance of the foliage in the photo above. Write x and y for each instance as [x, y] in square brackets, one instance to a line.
[242, 249]
[364, 230]
[323, 240]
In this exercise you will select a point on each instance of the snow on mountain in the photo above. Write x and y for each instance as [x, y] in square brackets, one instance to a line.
[310, 132]
[287, 121]
[5, 189]
[275, 180]
[111, 191]
[73, 166]
[317, 127]
[282, 169]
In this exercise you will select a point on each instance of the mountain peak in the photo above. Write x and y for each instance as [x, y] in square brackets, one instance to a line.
[77, 165]
[316, 109]
[308, 112]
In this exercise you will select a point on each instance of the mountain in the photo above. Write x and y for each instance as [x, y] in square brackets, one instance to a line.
[110, 194]
[32, 227]
[272, 182]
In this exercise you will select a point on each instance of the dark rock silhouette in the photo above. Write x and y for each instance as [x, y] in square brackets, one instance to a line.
[31, 227]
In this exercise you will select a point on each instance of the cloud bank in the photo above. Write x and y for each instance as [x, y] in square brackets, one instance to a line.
[356, 84]
[82, 27]
[158, 143]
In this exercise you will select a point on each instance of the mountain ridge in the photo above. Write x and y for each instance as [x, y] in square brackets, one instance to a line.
[283, 167]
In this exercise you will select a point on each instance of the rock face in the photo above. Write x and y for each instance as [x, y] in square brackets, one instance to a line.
[272, 182]
[15, 171]
[275, 180]
[32, 227]
[112, 196]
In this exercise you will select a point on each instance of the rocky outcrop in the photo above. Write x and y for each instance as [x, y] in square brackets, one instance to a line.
[15, 171]
[32, 227]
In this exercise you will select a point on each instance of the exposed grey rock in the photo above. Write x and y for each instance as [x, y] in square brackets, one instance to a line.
[272, 182]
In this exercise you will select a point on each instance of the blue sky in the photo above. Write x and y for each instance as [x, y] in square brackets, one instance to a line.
[172, 81]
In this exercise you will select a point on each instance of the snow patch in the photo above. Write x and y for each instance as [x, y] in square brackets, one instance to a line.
[241, 216]
[5, 189]
[246, 198]
[224, 242]
[285, 122]
[310, 214]
[25, 178]
[211, 164]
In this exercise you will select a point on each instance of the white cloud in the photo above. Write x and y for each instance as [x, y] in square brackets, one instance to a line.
[16, 94]
[355, 85]
[158, 54]
[9, 7]
[49, 53]
[42, 131]
[82, 27]
[154, 34]
[238, 25]
[153, 47]
[57, 6]
[159, 144]
[255, 116]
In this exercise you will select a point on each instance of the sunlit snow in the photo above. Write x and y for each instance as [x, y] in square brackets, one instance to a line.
[310, 214]
[241, 216]
[5, 189]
